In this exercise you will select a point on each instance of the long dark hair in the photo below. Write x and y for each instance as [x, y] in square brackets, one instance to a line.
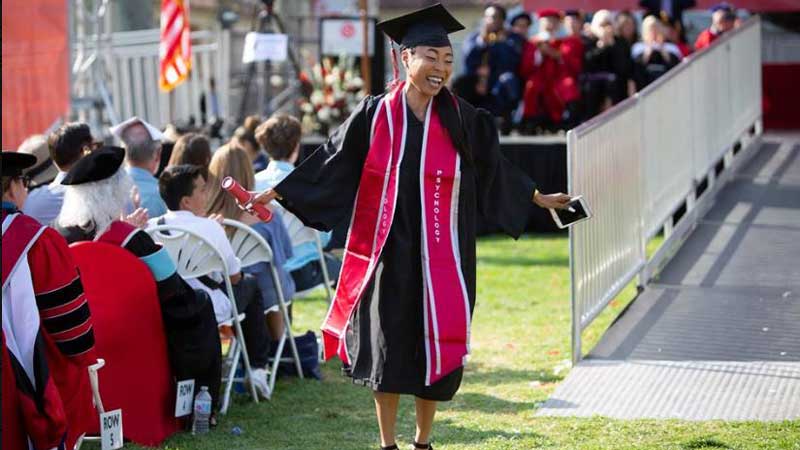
[451, 117]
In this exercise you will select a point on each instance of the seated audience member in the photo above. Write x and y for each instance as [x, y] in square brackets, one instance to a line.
[234, 162]
[672, 8]
[47, 326]
[673, 31]
[491, 58]
[653, 56]
[96, 192]
[193, 149]
[143, 151]
[608, 66]
[575, 26]
[67, 145]
[550, 70]
[280, 136]
[626, 33]
[184, 190]
[251, 122]
[520, 24]
[625, 28]
[44, 171]
[246, 140]
[723, 19]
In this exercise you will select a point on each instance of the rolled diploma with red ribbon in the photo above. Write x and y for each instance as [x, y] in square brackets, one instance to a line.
[237, 191]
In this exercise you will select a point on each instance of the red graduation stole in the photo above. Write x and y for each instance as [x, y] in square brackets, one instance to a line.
[444, 296]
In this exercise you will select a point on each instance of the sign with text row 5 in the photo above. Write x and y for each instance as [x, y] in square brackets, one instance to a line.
[111, 430]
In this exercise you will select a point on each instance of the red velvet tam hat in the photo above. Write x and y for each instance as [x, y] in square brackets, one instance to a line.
[548, 12]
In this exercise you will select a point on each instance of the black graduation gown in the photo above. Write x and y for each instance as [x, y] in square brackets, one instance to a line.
[385, 337]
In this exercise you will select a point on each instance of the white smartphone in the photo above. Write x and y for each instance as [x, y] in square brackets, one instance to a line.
[577, 210]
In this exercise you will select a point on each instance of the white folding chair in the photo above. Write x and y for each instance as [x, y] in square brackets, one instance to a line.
[195, 257]
[98, 402]
[300, 234]
[251, 248]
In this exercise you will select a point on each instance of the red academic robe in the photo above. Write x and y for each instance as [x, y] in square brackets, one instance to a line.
[704, 39]
[549, 83]
[56, 405]
[137, 363]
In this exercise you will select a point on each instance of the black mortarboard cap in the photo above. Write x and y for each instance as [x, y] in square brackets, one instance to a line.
[13, 163]
[96, 166]
[428, 26]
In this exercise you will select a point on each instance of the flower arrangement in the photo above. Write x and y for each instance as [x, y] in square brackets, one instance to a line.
[337, 89]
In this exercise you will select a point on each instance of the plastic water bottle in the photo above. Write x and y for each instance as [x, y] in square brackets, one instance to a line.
[202, 411]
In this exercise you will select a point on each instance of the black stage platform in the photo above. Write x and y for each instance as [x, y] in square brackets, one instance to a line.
[544, 159]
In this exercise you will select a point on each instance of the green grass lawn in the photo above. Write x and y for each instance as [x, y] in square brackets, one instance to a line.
[520, 343]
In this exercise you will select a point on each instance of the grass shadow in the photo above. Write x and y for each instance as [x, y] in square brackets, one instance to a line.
[447, 432]
[704, 443]
[477, 373]
[488, 404]
[523, 261]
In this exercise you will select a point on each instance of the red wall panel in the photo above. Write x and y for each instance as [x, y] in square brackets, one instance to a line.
[35, 67]
[781, 96]
[616, 5]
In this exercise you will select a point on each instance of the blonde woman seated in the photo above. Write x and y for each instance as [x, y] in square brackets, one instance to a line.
[231, 161]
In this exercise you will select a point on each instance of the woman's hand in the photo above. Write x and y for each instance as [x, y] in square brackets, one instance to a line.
[555, 201]
[265, 197]
[137, 218]
[216, 218]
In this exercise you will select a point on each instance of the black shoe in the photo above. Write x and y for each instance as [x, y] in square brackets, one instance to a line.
[427, 446]
[390, 447]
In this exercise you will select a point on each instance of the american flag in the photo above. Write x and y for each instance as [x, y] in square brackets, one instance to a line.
[175, 51]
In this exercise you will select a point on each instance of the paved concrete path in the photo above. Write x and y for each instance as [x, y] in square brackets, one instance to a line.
[717, 336]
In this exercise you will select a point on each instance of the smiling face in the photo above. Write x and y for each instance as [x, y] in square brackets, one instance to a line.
[428, 68]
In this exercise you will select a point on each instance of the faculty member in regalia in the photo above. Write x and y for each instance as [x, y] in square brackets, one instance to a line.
[413, 168]
[48, 340]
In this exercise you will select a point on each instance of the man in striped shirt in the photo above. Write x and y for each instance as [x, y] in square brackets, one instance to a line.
[47, 328]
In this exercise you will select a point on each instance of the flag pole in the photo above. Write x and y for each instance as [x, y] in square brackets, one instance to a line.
[172, 106]
[366, 76]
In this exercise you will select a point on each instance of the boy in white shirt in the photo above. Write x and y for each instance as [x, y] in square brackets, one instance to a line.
[183, 190]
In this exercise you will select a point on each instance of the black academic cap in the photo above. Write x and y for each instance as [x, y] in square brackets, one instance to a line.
[96, 166]
[13, 163]
[428, 26]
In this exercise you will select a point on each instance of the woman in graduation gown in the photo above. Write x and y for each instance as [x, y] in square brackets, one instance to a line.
[413, 168]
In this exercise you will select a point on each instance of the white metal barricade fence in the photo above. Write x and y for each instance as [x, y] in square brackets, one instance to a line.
[134, 74]
[640, 162]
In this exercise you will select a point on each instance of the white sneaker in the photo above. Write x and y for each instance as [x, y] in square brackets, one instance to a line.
[259, 380]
